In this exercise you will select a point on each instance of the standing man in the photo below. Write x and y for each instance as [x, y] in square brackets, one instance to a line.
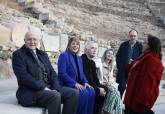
[128, 51]
[37, 80]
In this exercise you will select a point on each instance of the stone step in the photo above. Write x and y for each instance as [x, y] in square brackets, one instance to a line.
[8, 101]
[159, 105]
[17, 109]
[159, 109]
[9, 104]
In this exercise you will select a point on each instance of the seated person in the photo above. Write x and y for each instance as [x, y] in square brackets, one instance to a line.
[108, 79]
[37, 81]
[71, 74]
[103, 93]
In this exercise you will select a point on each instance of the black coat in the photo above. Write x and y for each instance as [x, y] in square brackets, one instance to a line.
[123, 58]
[26, 70]
[90, 71]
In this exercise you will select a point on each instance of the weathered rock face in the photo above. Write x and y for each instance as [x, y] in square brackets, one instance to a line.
[104, 21]
[6, 69]
[109, 19]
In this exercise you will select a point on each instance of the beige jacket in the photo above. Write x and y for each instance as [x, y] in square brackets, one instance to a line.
[105, 71]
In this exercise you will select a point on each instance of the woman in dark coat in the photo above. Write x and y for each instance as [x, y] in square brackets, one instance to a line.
[144, 78]
[70, 71]
[91, 75]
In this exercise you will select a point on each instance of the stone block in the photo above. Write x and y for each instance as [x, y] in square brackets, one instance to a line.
[26, 3]
[4, 55]
[36, 30]
[18, 34]
[101, 51]
[63, 42]
[7, 47]
[6, 70]
[51, 42]
[19, 31]
[40, 13]
[21, 1]
[5, 35]
[82, 45]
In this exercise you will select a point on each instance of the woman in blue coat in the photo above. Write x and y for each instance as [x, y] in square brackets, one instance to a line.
[70, 72]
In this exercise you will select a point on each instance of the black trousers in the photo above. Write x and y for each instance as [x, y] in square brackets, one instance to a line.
[99, 101]
[121, 89]
[52, 99]
[145, 111]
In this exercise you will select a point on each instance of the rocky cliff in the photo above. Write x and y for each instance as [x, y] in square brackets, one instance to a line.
[109, 19]
[104, 21]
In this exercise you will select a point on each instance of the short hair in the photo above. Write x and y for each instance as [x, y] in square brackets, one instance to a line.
[88, 45]
[133, 30]
[28, 33]
[154, 44]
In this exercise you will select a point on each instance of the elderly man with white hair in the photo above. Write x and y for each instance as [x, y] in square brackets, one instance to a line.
[37, 80]
[103, 96]
[89, 68]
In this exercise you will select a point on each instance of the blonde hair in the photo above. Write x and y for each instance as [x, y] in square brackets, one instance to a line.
[104, 55]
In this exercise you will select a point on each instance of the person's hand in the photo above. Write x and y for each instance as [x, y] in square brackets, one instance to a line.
[102, 91]
[79, 86]
[130, 61]
[109, 83]
[46, 88]
[87, 85]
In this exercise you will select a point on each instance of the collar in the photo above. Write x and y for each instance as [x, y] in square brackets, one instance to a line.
[27, 50]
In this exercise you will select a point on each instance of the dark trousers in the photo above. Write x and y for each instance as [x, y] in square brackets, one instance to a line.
[145, 111]
[99, 101]
[121, 89]
[52, 99]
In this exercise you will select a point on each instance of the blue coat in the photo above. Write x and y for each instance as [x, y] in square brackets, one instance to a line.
[26, 69]
[67, 70]
[69, 76]
[123, 57]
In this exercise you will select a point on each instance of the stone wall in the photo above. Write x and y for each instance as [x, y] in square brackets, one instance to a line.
[106, 22]
[13, 26]
[110, 19]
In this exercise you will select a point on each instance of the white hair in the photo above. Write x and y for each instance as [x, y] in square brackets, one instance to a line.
[88, 45]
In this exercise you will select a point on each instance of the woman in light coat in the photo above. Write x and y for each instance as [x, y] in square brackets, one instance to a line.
[112, 102]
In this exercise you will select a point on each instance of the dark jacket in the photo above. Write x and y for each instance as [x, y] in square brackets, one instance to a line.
[26, 70]
[90, 71]
[122, 60]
